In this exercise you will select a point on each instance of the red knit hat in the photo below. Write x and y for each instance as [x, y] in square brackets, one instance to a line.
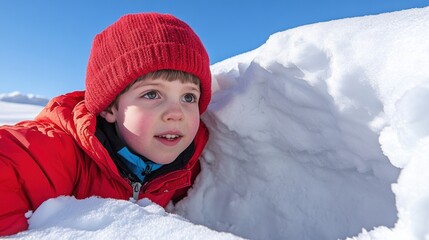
[138, 44]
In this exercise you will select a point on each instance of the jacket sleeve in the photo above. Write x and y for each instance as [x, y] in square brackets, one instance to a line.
[36, 163]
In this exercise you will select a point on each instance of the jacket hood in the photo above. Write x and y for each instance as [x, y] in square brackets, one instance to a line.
[68, 113]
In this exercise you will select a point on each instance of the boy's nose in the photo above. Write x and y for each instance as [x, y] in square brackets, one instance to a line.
[173, 112]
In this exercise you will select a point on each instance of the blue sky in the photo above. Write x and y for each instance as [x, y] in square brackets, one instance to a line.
[45, 44]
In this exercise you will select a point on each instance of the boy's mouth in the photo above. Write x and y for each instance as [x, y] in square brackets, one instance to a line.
[169, 136]
[169, 139]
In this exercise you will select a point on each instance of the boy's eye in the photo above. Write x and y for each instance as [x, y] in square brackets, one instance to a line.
[189, 98]
[151, 95]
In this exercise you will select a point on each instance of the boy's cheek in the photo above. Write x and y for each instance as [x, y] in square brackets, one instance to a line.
[136, 124]
[195, 124]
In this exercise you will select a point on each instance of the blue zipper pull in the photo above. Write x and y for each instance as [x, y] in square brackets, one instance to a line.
[147, 170]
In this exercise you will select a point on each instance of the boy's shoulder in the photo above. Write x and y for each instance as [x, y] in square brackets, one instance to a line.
[31, 131]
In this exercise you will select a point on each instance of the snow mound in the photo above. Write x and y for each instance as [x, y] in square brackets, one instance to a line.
[310, 130]
[96, 218]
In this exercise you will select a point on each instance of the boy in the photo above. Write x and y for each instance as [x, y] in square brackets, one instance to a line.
[134, 133]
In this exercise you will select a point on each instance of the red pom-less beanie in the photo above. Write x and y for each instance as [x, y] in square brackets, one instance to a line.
[138, 44]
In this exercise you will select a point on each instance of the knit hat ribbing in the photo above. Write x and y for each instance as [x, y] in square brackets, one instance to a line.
[138, 44]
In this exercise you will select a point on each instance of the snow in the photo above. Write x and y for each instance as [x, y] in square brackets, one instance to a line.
[11, 113]
[96, 218]
[320, 133]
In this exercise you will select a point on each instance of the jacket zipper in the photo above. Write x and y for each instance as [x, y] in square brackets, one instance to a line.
[136, 190]
[138, 185]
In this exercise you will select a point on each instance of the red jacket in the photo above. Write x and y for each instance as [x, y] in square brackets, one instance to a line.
[58, 154]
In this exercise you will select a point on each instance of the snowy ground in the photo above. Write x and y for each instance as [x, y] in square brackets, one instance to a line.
[11, 113]
[321, 133]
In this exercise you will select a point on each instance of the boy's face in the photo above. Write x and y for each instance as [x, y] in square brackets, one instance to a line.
[157, 118]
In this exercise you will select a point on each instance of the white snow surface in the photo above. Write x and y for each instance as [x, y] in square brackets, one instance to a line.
[320, 133]
[11, 113]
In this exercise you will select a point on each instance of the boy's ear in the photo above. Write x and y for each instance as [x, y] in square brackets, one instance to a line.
[108, 115]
